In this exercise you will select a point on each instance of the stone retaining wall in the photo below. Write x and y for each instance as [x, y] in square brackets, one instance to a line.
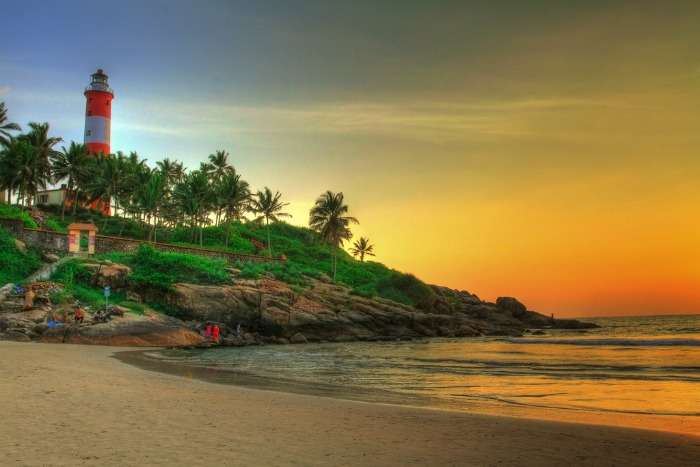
[104, 243]
[46, 240]
[56, 242]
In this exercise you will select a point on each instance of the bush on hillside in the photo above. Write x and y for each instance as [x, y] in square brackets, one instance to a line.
[15, 265]
[159, 269]
[8, 211]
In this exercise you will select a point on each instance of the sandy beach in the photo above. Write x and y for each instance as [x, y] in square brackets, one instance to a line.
[74, 405]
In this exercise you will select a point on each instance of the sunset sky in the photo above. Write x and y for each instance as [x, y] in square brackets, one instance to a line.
[544, 150]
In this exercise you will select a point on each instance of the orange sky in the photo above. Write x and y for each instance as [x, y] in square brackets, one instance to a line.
[544, 150]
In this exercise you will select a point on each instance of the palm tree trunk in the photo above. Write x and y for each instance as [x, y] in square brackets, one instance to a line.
[335, 262]
[269, 244]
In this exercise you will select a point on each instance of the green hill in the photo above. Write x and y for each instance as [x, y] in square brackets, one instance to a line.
[307, 257]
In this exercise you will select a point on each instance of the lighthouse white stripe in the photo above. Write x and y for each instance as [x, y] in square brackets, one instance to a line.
[97, 130]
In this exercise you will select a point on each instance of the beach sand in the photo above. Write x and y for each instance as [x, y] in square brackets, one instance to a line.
[74, 405]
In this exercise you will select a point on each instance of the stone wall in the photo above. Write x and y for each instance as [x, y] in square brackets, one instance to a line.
[104, 243]
[57, 242]
[46, 240]
[14, 226]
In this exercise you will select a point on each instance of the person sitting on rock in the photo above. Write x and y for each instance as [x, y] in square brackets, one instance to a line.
[215, 333]
[79, 314]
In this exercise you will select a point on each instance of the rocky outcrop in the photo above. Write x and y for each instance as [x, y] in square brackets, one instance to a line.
[149, 329]
[109, 274]
[269, 311]
[131, 330]
[330, 312]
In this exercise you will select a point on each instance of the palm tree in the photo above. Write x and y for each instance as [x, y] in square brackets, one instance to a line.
[150, 199]
[170, 169]
[12, 158]
[328, 218]
[269, 207]
[106, 180]
[219, 164]
[6, 127]
[234, 196]
[43, 149]
[73, 164]
[193, 197]
[362, 247]
[26, 171]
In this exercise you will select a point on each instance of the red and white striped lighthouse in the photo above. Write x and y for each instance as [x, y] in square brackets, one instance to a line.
[98, 114]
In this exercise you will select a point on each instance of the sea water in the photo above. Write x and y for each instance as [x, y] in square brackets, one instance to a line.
[639, 372]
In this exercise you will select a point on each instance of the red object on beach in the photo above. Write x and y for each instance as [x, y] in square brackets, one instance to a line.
[215, 336]
[207, 333]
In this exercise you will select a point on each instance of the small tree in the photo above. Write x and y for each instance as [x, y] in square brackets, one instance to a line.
[328, 218]
[269, 207]
[361, 248]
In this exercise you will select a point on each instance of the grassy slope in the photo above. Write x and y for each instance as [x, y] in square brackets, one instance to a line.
[306, 256]
[15, 265]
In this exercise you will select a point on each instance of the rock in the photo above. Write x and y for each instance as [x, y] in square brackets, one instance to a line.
[21, 246]
[325, 278]
[152, 329]
[513, 305]
[113, 275]
[234, 271]
[298, 338]
[50, 257]
[5, 291]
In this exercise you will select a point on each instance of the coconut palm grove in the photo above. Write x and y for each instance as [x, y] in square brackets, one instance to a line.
[211, 207]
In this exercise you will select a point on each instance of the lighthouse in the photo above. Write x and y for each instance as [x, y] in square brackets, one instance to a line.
[98, 114]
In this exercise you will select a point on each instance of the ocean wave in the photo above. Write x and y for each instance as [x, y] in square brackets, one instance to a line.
[617, 342]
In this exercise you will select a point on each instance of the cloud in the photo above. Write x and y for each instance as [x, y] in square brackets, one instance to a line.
[441, 121]
[4, 91]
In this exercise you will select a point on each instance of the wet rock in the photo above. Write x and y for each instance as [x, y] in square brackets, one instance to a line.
[298, 338]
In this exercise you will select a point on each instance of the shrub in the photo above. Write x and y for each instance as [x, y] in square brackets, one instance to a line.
[54, 225]
[13, 212]
[15, 265]
[158, 269]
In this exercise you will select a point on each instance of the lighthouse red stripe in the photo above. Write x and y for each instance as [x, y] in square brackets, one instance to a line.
[99, 104]
[96, 148]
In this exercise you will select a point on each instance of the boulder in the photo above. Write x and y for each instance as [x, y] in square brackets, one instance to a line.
[21, 246]
[152, 329]
[513, 305]
[50, 257]
[298, 338]
[115, 276]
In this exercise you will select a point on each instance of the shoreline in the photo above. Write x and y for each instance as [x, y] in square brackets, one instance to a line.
[64, 405]
[662, 423]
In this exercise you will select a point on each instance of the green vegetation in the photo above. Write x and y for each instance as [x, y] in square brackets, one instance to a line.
[205, 207]
[160, 270]
[16, 265]
[13, 212]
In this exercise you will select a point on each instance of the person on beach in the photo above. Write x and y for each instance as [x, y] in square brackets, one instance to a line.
[79, 314]
[207, 331]
[215, 333]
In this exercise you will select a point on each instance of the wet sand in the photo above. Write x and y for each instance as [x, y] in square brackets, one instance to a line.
[75, 405]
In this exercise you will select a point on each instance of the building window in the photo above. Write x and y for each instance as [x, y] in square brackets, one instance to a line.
[43, 199]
